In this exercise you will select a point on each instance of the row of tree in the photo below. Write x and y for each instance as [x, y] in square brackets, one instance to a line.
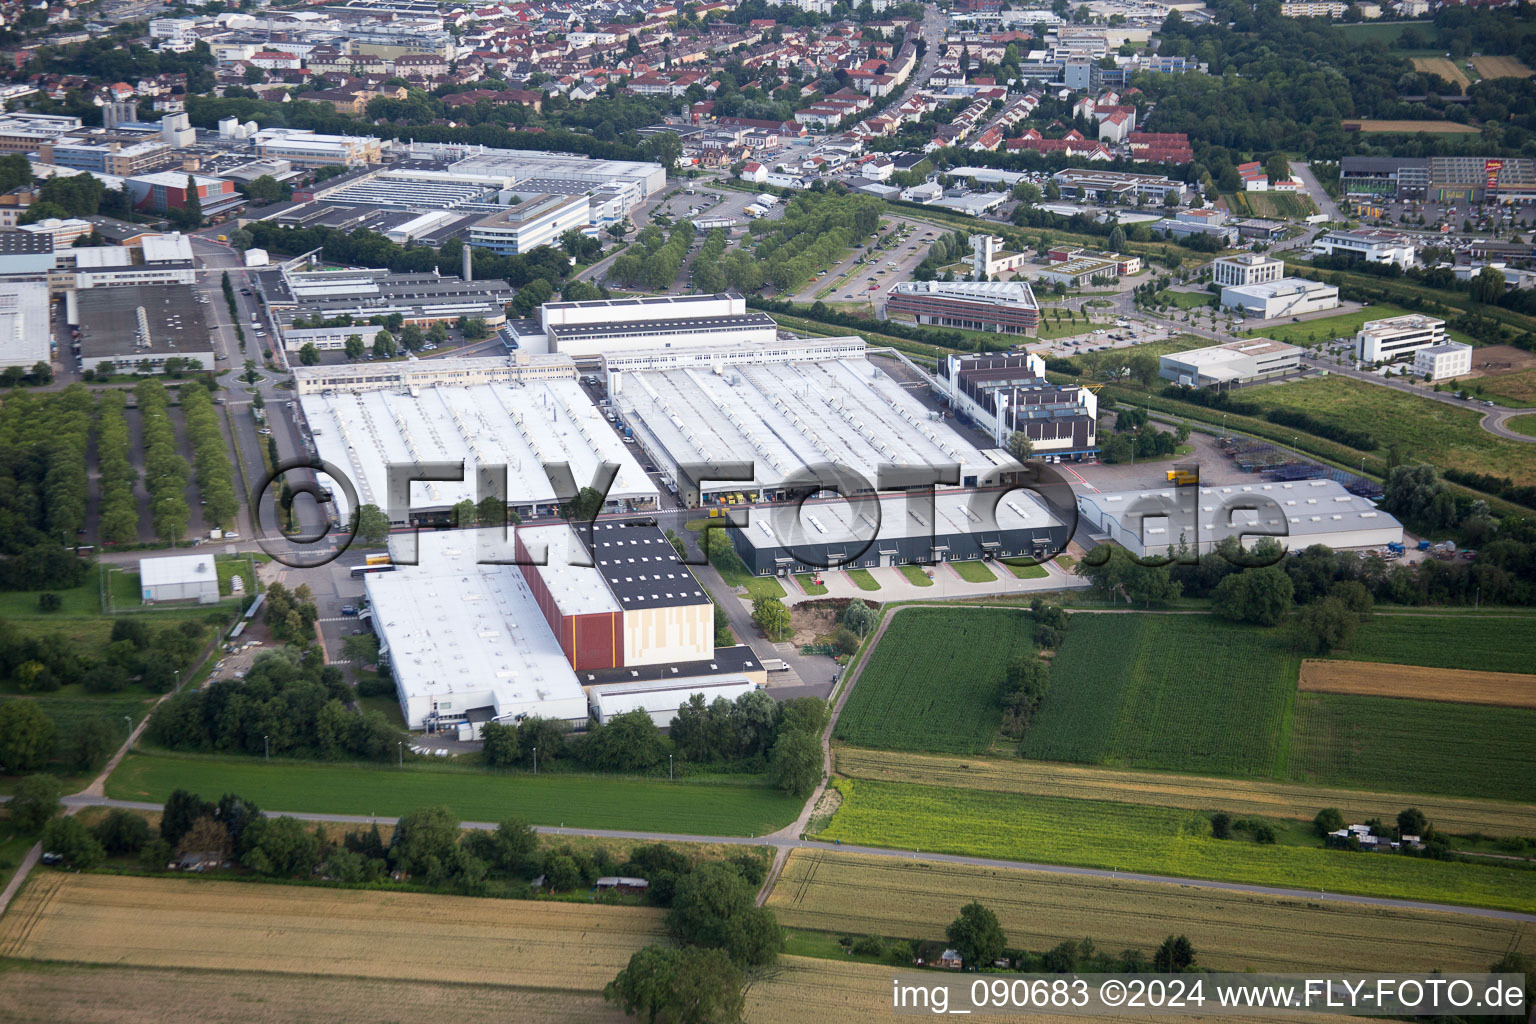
[210, 456]
[653, 262]
[118, 517]
[43, 443]
[165, 470]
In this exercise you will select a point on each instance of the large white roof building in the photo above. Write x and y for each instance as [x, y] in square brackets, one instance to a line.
[523, 427]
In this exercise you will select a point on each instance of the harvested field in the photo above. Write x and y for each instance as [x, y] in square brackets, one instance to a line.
[1455, 686]
[1444, 68]
[900, 898]
[37, 993]
[1236, 796]
[233, 926]
[1499, 67]
[1410, 127]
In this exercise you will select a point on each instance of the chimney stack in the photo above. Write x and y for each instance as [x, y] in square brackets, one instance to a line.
[469, 264]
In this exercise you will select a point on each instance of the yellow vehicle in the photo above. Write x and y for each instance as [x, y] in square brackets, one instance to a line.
[714, 513]
[223, 238]
[376, 560]
[1183, 477]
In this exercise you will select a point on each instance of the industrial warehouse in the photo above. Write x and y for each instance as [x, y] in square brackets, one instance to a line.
[602, 327]
[898, 529]
[1297, 513]
[482, 412]
[782, 410]
[1004, 394]
[998, 307]
[470, 642]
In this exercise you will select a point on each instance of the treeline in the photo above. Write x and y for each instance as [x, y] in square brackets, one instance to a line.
[1224, 402]
[119, 511]
[822, 313]
[210, 456]
[816, 231]
[288, 704]
[655, 259]
[43, 443]
[165, 471]
[753, 733]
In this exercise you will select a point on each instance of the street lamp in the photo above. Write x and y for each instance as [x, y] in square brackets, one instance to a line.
[400, 744]
[669, 767]
[535, 760]
[266, 748]
[129, 720]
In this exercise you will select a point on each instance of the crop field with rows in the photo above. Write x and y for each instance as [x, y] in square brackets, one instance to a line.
[1415, 746]
[857, 894]
[1154, 840]
[1170, 692]
[1236, 796]
[155, 922]
[931, 682]
[1482, 643]
[1418, 682]
[43, 993]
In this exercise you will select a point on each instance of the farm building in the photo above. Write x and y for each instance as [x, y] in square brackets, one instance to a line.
[661, 698]
[958, 526]
[493, 413]
[783, 408]
[1297, 513]
[473, 636]
[179, 578]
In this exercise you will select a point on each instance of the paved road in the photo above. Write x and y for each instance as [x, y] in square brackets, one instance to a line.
[1314, 188]
[783, 843]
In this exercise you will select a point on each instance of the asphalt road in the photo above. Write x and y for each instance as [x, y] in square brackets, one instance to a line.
[782, 842]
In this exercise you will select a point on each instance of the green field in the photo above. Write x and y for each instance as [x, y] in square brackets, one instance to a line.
[1425, 429]
[805, 580]
[862, 579]
[1485, 643]
[1415, 746]
[1273, 205]
[715, 806]
[1388, 33]
[1185, 693]
[917, 575]
[931, 682]
[1185, 300]
[1156, 840]
[1522, 425]
[974, 572]
[1343, 325]
[1028, 572]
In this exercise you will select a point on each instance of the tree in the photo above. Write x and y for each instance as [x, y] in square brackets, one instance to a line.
[1174, 955]
[353, 347]
[1221, 825]
[493, 511]
[89, 744]
[1323, 626]
[1020, 446]
[976, 935]
[498, 744]
[714, 907]
[1411, 822]
[412, 338]
[1329, 819]
[308, 354]
[626, 742]
[26, 736]
[264, 189]
[42, 372]
[425, 841]
[182, 810]
[1277, 168]
[208, 837]
[383, 345]
[771, 616]
[585, 507]
[71, 840]
[1117, 239]
[661, 985]
[280, 847]
[371, 524]
[462, 513]
[362, 649]
[35, 800]
[1488, 285]
[122, 831]
[1021, 691]
[795, 764]
[860, 617]
[1261, 596]
[192, 211]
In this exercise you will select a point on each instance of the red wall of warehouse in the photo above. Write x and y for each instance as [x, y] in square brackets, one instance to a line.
[541, 594]
[593, 641]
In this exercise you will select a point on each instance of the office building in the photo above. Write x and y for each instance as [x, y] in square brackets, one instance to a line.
[537, 220]
[1246, 269]
[1372, 245]
[1238, 362]
[1289, 296]
[1382, 341]
[1445, 360]
[998, 307]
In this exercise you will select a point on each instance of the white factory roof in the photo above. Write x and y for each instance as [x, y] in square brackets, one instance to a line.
[842, 522]
[454, 626]
[173, 248]
[1284, 286]
[99, 257]
[785, 416]
[174, 569]
[523, 427]
[1309, 508]
[1217, 356]
[578, 588]
[24, 330]
[999, 292]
